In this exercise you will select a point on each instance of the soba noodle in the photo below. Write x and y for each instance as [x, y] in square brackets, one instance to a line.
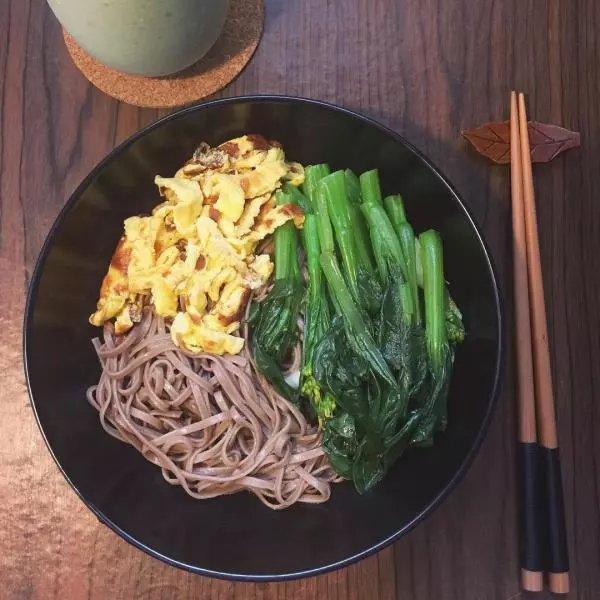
[212, 423]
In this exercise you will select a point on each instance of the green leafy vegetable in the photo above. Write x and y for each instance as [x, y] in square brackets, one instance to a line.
[379, 324]
[455, 328]
[406, 235]
[317, 318]
[274, 332]
[274, 323]
[378, 418]
[359, 336]
[385, 243]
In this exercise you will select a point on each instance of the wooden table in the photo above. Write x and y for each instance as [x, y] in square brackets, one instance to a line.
[426, 68]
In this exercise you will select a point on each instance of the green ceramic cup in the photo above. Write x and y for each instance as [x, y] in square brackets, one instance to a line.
[143, 37]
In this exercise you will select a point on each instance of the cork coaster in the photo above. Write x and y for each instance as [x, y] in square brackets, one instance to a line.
[223, 63]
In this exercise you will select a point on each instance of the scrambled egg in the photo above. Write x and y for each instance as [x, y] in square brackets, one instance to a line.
[194, 258]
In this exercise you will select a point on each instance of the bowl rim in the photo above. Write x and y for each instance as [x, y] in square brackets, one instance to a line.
[500, 323]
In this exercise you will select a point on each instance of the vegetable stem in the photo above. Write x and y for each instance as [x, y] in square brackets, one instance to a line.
[386, 245]
[435, 296]
[312, 176]
[370, 188]
[359, 227]
[395, 210]
[408, 306]
[323, 222]
[338, 206]
[353, 187]
[406, 236]
[286, 246]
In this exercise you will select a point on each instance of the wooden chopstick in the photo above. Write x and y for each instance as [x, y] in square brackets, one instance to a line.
[543, 531]
[543, 379]
[531, 561]
[557, 555]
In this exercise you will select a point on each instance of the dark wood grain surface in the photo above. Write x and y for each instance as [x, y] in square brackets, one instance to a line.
[427, 68]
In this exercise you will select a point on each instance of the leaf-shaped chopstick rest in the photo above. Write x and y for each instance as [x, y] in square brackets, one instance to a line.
[547, 141]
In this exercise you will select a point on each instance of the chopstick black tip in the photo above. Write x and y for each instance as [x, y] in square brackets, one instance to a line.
[532, 508]
[558, 555]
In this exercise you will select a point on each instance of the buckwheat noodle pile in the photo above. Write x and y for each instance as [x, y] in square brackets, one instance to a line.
[212, 423]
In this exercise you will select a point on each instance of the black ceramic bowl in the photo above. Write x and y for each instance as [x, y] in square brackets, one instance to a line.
[236, 537]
